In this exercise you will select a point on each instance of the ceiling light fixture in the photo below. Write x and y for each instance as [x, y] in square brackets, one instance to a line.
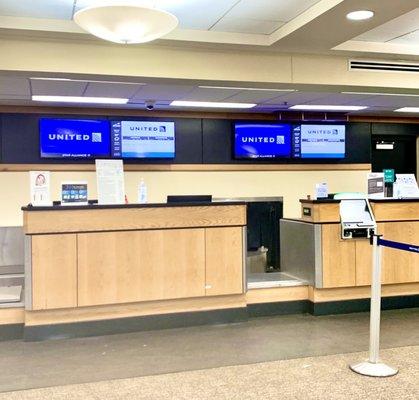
[79, 99]
[85, 80]
[246, 88]
[126, 23]
[318, 107]
[360, 15]
[210, 104]
[382, 94]
[408, 109]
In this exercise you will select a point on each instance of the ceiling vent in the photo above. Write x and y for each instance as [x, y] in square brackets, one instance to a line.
[386, 66]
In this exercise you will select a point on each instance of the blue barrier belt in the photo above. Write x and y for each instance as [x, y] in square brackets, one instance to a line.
[397, 245]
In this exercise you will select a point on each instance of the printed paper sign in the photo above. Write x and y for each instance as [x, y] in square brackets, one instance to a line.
[40, 188]
[110, 181]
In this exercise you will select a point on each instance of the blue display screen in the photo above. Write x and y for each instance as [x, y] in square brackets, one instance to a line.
[70, 138]
[253, 140]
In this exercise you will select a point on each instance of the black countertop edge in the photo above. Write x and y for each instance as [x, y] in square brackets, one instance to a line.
[309, 222]
[319, 201]
[118, 206]
[410, 200]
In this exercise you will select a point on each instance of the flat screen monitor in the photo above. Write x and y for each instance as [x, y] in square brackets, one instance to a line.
[143, 139]
[255, 140]
[74, 138]
[319, 141]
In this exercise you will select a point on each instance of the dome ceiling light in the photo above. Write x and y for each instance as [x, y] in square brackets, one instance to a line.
[360, 15]
[126, 23]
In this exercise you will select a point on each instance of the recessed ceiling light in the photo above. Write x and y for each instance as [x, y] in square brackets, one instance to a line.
[318, 107]
[85, 80]
[246, 88]
[360, 15]
[35, 78]
[210, 104]
[408, 109]
[382, 94]
[79, 99]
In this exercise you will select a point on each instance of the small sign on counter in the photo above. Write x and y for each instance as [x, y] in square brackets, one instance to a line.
[321, 191]
[376, 185]
[40, 188]
[74, 193]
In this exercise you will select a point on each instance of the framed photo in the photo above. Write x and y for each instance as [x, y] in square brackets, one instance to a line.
[74, 193]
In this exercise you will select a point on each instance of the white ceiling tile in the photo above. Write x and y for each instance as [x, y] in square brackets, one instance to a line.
[192, 14]
[254, 96]
[53, 9]
[270, 10]
[11, 97]
[411, 39]
[14, 86]
[162, 92]
[198, 14]
[390, 101]
[247, 25]
[402, 25]
[101, 89]
[341, 99]
[58, 88]
[89, 3]
[297, 98]
[209, 94]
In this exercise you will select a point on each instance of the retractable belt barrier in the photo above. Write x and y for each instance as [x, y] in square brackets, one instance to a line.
[397, 245]
[373, 367]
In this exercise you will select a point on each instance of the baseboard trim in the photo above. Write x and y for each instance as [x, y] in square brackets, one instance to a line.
[11, 332]
[134, 324]
[363, 305]
[196, 318]
[278, 308]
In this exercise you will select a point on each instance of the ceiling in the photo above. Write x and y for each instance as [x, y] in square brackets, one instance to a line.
[240, 16]
[397, 36]
[18, 89]
[274, 25]
[287, 26]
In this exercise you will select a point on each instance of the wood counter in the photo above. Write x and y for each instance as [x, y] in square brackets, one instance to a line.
[347, 263]
[98, 255]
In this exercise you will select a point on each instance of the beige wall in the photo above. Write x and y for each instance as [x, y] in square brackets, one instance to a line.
[100, 58]
[291, 185]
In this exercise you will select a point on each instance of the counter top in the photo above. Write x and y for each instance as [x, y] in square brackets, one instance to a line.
[319, 201]
[410, 200]
[29, 207]
[390, 200]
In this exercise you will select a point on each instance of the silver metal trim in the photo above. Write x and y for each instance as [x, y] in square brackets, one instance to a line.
[244, 255]
[28, 272]
[318, 260]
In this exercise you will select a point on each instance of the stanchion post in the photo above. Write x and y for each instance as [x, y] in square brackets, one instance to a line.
[375, 302]
[373, 367]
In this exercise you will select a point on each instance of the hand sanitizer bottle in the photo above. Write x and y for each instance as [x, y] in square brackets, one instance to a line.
[142, 192]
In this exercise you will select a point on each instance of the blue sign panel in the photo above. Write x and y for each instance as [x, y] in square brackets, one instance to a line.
[254, 140]
[70, 138]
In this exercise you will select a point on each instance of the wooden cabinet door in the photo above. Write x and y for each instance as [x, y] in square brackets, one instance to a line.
[224, 261]
[363, 254]
[399, 266]
[338, 257]
[54, 271]
[123, 267]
